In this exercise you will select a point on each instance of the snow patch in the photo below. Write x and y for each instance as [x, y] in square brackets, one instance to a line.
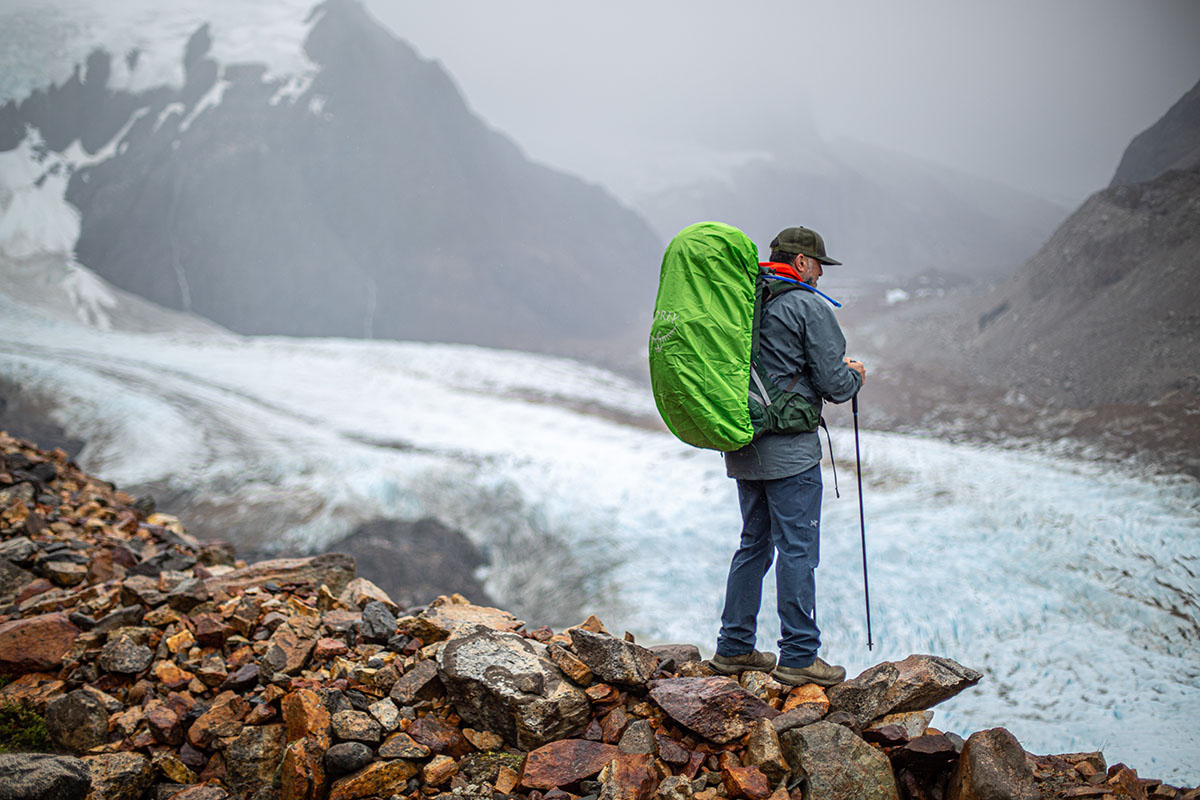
[893, 296]
[35, 217]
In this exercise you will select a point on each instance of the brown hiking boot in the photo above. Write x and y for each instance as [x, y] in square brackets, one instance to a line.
[754, 660]
[818, 672]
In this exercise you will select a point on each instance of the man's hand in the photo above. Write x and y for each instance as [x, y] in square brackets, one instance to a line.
[857, 366]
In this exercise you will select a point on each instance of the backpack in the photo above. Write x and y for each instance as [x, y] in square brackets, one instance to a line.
[705, 370]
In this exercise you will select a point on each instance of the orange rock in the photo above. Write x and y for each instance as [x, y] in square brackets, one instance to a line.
[381, 778]
[807, 695]
[570, 664]
[748, 782]
[171, 675]
[439, 770]
[328, 648]
[32, 690]
[305, 715]
[630, 776]
[223, 719]
[302, 776]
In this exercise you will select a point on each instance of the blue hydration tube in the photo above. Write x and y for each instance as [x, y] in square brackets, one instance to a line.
[774, 277]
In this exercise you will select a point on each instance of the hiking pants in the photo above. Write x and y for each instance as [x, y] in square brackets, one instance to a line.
[783, 515]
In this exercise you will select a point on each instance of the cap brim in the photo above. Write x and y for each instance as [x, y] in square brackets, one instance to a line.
[827, 260]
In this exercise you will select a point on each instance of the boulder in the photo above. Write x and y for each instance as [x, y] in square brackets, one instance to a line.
[565, 762]
[119, 776]
[992, 767]
[837, 765]
[863, 696]
[38, 776]
[504, 683]
[35, 644]
[77, 721]
[716, 708]
[914, 684]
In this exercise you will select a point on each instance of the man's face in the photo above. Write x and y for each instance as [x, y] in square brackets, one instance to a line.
[809, 269]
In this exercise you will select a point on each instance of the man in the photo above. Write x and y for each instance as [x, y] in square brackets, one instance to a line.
[779, 478]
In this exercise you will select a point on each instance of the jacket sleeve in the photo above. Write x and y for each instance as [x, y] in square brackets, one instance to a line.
[826, 347]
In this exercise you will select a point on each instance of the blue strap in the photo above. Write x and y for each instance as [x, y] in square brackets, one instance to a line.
[813, 289]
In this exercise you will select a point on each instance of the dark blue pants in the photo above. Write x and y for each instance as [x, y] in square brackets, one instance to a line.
[783, 515]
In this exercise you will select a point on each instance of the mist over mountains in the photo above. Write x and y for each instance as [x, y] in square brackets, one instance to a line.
[884, 214]
[364, 200]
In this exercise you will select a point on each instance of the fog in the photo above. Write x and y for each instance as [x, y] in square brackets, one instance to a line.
[636, 96]
[1043, 97]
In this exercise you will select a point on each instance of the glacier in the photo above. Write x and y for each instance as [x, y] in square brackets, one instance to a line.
[1071, 585]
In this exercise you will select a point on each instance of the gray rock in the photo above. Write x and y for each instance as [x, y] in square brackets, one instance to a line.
[914, 684]
[764, 751]
[924, 681]
[676, 653]
[837, 765]
[120, 776]
[347, 757]
[378, 623]
[614, 660]
[12, 579]
[638, 738]
[357, 726]
[125, 656]
[796, 718]
[77, 721]
[504, 682]
[37, 776]
[674, 787]
[992, 767]
[863, 697]
[129, 615]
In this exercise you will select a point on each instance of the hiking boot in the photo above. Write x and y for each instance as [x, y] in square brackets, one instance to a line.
[754, 660]
[818, 672]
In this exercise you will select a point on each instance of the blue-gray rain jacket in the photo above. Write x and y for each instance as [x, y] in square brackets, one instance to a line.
[799, 335]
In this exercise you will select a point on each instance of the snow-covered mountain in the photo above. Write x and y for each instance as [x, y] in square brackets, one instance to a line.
[354, 195]
[1071, 586]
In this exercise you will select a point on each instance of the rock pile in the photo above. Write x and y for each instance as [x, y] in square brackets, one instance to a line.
[174, 671]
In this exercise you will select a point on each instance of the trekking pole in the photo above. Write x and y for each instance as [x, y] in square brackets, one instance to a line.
[862, 524]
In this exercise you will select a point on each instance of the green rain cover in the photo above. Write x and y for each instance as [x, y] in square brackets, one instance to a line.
[700, 338]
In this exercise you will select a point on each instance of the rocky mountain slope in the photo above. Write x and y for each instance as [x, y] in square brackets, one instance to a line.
[175, 671]
[1170, 143]
[1096, 336]
[362, 199]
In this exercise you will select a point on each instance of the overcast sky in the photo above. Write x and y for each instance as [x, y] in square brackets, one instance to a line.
[1043, 96]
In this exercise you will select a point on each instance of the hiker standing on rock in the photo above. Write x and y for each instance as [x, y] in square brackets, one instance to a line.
[779, 476]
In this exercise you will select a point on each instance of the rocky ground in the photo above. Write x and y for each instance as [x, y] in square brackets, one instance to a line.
[149, 665]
